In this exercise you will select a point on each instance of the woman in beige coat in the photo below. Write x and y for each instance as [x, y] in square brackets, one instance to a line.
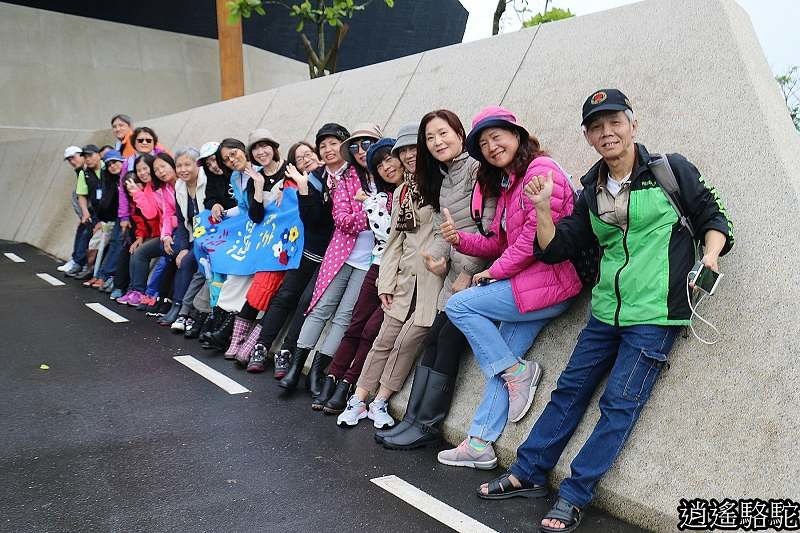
[408, 293]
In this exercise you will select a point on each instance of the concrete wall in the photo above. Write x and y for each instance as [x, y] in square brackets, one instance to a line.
[722, 421]
[63, 71]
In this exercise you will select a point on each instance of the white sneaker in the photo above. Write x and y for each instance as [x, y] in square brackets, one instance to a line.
[179, 324]
[355, 411]
[379, 415]
[66, 266]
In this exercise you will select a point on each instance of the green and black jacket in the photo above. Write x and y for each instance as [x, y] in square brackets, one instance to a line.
[643, 269]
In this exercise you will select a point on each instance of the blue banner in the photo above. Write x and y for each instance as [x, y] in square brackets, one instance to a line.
[237, 245]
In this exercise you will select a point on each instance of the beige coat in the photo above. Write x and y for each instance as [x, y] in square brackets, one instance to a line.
[455, 195]
[403, 271]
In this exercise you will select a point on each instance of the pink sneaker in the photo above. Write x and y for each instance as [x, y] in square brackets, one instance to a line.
[134, 298]
[124, 298]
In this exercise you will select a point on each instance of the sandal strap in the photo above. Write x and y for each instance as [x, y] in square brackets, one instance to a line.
[501, 485]
[564, 512]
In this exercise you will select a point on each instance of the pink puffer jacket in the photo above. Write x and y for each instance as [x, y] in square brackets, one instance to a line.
[159, 203]
[349, 219]
[535, 285]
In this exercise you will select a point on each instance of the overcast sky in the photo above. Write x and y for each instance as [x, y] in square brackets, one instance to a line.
[775, 22]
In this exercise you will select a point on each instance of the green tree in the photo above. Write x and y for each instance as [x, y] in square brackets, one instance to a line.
[548, 15]
[789, 83]
[319, 15]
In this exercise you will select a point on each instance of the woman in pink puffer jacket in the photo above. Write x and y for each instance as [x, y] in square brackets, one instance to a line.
[518, 291]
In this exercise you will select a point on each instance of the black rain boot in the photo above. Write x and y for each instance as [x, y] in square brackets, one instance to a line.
[338, 401]
[215, 319]
[200, 321]
[220, 338]
[317, 373]
[328, 386]
[415, 398]
[292, 377]
[432, 411]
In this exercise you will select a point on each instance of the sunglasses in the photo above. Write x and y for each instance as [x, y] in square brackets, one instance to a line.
[144, 141]
[363, 143]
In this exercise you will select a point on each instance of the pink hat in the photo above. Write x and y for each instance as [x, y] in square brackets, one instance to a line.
[491, 117]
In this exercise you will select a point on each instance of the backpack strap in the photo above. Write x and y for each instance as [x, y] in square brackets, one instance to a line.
[476, 209]
[662, 170]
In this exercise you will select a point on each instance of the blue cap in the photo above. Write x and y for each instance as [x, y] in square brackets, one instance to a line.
[385, 142]
[113, 155]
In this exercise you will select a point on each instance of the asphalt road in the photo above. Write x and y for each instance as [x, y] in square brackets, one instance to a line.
[116, 436]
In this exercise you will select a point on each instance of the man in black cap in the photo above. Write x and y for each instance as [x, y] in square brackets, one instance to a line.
[87, 185]
[639, 301]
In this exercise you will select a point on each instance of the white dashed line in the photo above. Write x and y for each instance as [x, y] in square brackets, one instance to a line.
[14, 257]
[106, 312]
[220, 380]
[452, 518]
[55, 282]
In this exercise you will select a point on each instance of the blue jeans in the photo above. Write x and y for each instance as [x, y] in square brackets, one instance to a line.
[474, 311]
[140, 263]
[83, 234]
[157, 274]
[111, 259]
[183, 277]
[635, 356]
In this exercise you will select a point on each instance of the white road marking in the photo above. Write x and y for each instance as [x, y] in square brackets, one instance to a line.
[55, 282]
[14, 257]
[106, 312]
[452, 518]
[220, 380]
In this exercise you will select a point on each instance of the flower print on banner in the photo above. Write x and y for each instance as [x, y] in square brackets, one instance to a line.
[237, 245]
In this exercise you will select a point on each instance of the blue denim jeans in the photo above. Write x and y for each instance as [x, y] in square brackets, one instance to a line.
[83, 234]
[183, 277]
[634, 355]
[475, 311]
[111, 258]
[140, 263]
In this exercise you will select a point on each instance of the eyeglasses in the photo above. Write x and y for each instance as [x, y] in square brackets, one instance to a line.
[363, 143]
[144, 141]
[307, 157]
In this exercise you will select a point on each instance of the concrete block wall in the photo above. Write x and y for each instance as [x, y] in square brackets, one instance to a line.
[64, 71]
[722, 420]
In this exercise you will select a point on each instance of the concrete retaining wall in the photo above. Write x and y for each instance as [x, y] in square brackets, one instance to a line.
[63, 71]
[722, 421]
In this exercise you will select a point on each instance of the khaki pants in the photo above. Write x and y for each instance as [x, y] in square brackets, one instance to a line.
[392, 355]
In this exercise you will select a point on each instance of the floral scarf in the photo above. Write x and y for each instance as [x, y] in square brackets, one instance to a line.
[410, 199]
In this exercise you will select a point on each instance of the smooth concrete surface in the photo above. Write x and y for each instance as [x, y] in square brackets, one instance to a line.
[722, 420]
[65, 71]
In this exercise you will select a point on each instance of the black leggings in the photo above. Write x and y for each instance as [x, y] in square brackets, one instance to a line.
[291, 301]
[444, 346]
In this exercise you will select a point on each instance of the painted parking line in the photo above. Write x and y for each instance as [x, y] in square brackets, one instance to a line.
[106, 312]
[55, 282]
[452, 518]
[14, 257]
[220, 380]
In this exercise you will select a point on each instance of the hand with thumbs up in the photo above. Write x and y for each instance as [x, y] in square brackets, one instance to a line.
[448, 228]
[539, 189]
[435, 266]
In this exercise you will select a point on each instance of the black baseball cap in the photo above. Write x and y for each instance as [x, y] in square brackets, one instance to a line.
[332, 129]
[90, 149]
[604, 100]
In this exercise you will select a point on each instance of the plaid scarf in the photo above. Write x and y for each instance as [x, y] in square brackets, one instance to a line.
[407, 218]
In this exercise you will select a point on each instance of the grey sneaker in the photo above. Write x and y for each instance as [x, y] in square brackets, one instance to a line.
[466, 455]
[283, 360]
[73, 271]
[379, 415]
[521, 390]
[356, 410]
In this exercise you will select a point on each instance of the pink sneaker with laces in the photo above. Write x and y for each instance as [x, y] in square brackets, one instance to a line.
[521, 389]
[466, 455]
[134, 298]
